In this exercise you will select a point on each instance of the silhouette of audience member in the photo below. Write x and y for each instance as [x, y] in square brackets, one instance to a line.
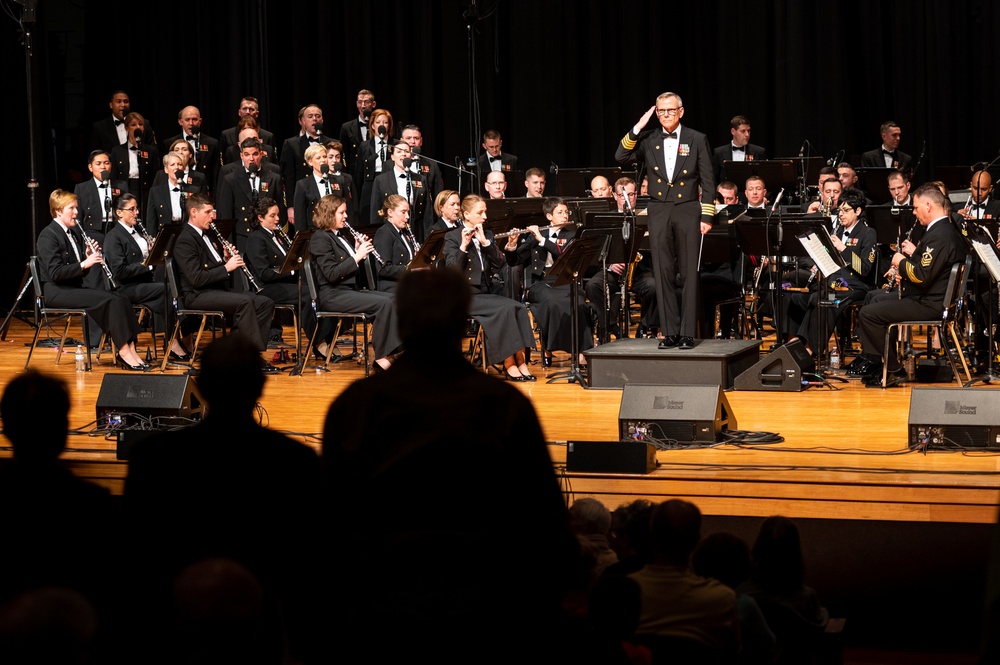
[777, 584]
[591, 520]
[218, 615]
[683, 612]
[726, 557]
[629, 537]
[48, 626]
[58, 530]
[429, 469]
[228, 487]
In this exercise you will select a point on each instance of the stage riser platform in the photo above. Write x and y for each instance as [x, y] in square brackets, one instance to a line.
[710, 362]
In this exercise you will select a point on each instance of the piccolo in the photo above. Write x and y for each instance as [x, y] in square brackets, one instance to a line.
[518, 232]
[360, 237]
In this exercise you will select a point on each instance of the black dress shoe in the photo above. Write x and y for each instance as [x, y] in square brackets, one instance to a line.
[519, 377]
[180, 358]
[141, 367]
[529, 377]
[669, 342]
[268, 368]
[546, 361]
[641, 332]
[860, 367]
[686, 343]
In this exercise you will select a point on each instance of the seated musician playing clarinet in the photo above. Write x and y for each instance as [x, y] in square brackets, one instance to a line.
[267, 247]
[336, 261]
[64, 260]
[125, 248]
[394, 242]
[204, 263]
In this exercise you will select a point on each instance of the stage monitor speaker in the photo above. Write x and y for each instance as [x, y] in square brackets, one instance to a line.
[127, 400]
[954, 418]
[780, 370]
[610, 456]
[682, 413]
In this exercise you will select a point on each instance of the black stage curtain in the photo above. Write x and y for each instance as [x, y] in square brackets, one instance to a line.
[562, 80]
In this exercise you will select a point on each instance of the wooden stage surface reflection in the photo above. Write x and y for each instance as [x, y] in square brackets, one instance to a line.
[844, 454]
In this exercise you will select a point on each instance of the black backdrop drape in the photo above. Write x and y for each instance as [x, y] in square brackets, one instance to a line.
[561, 79]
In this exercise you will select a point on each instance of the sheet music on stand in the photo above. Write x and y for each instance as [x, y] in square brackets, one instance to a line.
[821, 250]
[988, 255]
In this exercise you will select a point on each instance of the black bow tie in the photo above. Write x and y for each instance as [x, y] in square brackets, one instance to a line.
[737, 148]
[176, 189]
[402, 175]
[135, 148]
[132, 231]
[312, 140]
[103, 185]
[669, 135]
[891, 153]
[492, 158]
[979, 206]
[119, 122]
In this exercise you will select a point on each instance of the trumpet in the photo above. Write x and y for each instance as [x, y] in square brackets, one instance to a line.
[96, 249]
[519, 232]
[228, 246]
[360, 237]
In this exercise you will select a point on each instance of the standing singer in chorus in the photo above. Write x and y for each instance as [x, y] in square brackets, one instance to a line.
[679, 163]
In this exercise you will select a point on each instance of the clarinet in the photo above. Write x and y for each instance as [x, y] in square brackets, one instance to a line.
[283, 237]
[227, 246]
[361, 238]
[413, 239]
[148, 238]
[96, 249]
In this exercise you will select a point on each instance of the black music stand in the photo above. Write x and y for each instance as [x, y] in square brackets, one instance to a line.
[574, 260]
[579, 207]
[985, 247]
[616, 250]
[892, 223]
[808, 171]
[816, 243]
[162, 249]
[519, 212]
[576, 182]
[295, 259]
[874, 180]
[430, 251]
[776, 173]
[775, 237]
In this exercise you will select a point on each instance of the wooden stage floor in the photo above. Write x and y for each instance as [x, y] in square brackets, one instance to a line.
[844, 454]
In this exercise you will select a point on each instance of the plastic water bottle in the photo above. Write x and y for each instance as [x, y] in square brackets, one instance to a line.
[834, 359]
[81, 359]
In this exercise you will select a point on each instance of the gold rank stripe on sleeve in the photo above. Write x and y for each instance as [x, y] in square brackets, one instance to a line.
[628, 142]
[911, 275]
[708, 210]
[856, 263]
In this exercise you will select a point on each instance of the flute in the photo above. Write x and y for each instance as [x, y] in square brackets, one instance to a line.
[228, 246]
[518, 232]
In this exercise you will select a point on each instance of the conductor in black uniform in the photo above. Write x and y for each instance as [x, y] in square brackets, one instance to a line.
[680, 168]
